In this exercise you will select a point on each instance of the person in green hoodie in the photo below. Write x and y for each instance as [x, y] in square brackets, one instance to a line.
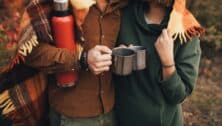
[170, 33]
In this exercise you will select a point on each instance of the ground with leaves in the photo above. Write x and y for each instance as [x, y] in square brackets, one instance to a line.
[204, 107]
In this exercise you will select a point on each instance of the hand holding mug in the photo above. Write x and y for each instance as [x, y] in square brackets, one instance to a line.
[99, 59]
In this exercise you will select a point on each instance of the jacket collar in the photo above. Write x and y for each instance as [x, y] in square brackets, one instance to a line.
[115, 4]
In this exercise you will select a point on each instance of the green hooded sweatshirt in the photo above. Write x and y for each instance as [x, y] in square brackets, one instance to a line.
[143, 98]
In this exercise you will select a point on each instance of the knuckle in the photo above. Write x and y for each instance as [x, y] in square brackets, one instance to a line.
[109, 57]
[107, 68]
[110, 62]
[97, 65]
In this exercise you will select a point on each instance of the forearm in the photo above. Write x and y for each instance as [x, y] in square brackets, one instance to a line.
[179, 69]
[50, 59]
[174, 88]
[168, 71]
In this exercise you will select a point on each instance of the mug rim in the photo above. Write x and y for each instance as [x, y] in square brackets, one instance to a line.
[137, 48]
[118, 48]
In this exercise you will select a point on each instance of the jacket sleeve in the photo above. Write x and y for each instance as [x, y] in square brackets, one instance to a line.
[181, 84]
[50, 59]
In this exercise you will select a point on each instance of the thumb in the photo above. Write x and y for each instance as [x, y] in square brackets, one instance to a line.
[104, 49]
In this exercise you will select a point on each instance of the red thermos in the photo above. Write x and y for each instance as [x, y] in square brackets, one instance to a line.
[63, 33]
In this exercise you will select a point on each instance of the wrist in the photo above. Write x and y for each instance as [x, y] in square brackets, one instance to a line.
[168, 72]
[168, 62]
[168, 65]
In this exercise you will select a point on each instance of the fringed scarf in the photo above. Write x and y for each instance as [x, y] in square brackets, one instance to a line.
[182, 24]
[26, 103]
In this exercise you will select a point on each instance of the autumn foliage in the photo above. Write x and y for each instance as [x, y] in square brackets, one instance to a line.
[209, 14]
[10, 11]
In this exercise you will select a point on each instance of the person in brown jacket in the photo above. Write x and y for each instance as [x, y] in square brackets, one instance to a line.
[91, 101]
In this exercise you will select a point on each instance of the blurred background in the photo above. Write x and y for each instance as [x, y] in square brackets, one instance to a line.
[204, 107]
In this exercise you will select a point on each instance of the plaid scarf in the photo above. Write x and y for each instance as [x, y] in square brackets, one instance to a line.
[34, 28]
[25, 104]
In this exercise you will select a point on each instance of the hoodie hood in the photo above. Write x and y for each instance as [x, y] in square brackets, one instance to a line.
[180, 23]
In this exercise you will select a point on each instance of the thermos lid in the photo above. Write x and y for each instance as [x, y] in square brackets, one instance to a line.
[61, 5]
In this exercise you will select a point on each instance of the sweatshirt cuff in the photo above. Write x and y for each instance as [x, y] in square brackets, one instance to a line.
[171, 82]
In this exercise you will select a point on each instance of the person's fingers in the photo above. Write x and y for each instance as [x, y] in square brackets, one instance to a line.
[130, 45]
[157, 41]
[97, 71]
[93, 69]
[103, 49]
[104, 57]
[123, 46]
[102, 69]
[165, 34]
[103, 64]
[169, 33]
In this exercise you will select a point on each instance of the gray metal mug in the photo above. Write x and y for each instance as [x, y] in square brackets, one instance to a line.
[122, 61]
[140, 58]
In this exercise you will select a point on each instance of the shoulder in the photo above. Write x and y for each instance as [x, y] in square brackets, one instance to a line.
[189, 48]
[193, 42]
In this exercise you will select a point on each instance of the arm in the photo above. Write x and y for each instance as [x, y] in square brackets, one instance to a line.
[50, 59]
[181, 82]
[178, 81]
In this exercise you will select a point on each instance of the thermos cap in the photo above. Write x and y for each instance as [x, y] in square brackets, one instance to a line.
[61, 5]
